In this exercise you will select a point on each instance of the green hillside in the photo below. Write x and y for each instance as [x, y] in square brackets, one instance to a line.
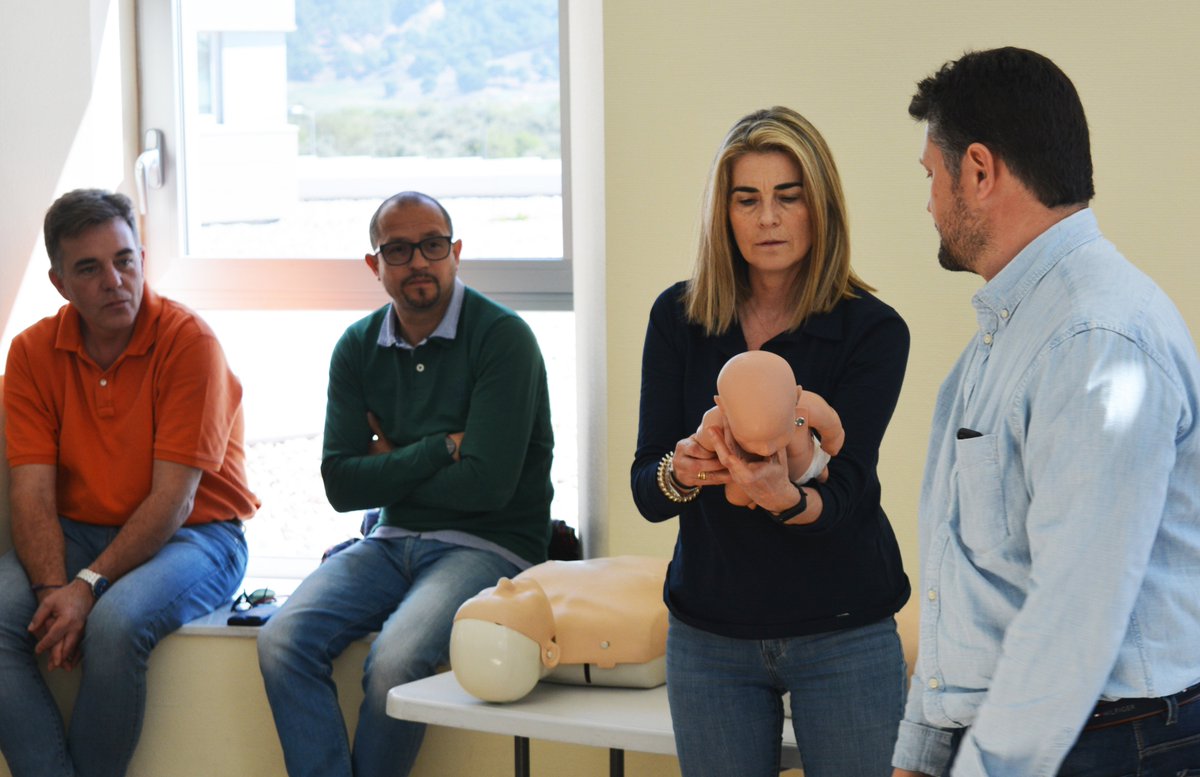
[413, 77]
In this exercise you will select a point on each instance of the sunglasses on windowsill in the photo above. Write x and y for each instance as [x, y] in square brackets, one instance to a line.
[247, 600]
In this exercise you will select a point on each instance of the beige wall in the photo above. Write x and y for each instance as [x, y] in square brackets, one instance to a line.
[676, 74]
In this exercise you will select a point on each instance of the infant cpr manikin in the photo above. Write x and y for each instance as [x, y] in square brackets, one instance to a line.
[760, 407]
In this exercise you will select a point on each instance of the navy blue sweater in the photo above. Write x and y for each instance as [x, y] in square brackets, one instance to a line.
[735, 572]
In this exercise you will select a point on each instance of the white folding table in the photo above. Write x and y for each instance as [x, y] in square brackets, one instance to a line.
[619, 719]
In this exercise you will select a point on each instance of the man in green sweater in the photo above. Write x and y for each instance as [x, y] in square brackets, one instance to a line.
[439, 413]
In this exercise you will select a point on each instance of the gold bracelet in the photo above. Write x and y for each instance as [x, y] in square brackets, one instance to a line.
[668, 485]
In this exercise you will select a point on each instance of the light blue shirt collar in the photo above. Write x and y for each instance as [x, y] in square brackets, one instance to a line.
[446, 329]
[1004, 292]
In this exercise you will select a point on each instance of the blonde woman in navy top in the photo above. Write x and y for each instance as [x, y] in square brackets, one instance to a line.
[799, 594]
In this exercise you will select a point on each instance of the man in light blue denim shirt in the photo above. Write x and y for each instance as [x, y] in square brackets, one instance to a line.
[1060, 510]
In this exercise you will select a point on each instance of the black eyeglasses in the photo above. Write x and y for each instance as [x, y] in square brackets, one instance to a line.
[247, 600]
[400, 252]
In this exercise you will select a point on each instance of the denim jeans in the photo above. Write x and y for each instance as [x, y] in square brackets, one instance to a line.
[847, 694]
[407, 588]
[1166, 745]
[195, 572]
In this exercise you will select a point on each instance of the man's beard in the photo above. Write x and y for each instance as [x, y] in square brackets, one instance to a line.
[950, 260]
[964, 238]
[422, 298]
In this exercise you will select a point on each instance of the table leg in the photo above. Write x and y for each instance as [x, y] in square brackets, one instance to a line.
[616, 759]
[616, 762]
[521, 756]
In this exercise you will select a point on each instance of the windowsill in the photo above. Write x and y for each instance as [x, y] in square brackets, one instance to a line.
[214, 625]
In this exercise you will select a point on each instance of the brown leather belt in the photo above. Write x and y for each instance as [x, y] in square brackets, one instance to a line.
[1122, 711]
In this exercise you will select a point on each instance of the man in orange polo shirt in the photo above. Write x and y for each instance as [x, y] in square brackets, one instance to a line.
[128, 492]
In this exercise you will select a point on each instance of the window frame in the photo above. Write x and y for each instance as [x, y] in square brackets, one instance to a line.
[285, 283]
[330, 284]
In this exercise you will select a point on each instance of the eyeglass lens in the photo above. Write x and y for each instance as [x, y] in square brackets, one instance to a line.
[400, 252]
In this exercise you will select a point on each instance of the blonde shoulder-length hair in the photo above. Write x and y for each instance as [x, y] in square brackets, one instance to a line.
[720, 279]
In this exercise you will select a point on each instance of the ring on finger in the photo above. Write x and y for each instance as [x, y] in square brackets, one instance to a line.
[702, 476]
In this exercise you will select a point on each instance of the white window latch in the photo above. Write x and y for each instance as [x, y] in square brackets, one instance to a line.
[148, 170]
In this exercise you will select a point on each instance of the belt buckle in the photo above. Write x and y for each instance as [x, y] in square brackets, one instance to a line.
[1118, 712]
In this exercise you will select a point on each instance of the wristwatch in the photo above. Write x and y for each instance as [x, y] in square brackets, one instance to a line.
[97, 582]
[791, 512]
[451, 445]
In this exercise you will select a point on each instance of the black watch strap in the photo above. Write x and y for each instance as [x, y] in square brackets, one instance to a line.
[791, 512]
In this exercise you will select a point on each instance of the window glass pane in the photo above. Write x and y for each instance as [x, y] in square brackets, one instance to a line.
[206, 79]
[302, 115]
[282, 359]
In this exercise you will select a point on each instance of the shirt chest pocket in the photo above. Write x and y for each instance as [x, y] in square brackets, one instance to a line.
[982, 519]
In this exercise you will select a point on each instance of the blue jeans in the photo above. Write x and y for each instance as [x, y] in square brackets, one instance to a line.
[194, 573]
[408, 589]
[1166, 745]
[847, 687]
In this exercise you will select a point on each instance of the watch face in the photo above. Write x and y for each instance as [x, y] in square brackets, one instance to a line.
[99, 587]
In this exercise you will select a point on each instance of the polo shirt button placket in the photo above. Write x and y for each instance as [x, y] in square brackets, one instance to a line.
[104, 403]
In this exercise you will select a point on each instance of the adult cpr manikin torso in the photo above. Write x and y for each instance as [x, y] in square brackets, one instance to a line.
[594, 622]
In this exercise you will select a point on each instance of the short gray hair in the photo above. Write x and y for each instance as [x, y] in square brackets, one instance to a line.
[78, 211]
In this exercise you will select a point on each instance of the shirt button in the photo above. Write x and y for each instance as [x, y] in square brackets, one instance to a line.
[104, 381]
[932, 595]
[1004, 313]
[420, 368]
[987, 339]
[933, 683]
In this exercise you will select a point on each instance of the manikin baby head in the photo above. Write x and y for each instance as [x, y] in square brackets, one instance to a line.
[503, 642]
[757, 394]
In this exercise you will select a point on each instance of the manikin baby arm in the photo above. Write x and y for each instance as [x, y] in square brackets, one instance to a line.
[809, 454]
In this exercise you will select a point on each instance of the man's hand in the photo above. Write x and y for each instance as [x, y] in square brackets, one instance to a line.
[59, 623]
[458, 439]
[378, 444]
[381, 444]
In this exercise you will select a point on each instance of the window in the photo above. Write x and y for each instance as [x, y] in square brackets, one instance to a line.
[284, 124]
